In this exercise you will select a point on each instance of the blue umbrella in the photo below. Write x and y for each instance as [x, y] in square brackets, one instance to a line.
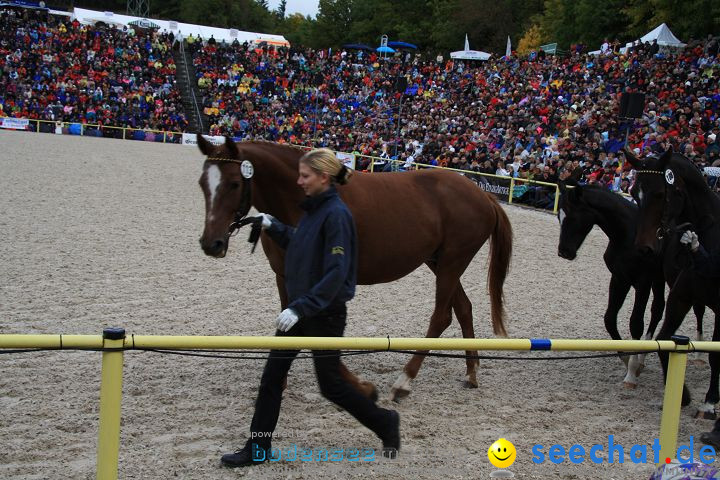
[357, 46]
[402, 45]
[385, 50]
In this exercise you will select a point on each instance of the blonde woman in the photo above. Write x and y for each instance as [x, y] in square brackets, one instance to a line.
[320, 277]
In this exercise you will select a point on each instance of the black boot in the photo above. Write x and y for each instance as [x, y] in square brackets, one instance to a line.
[712, 437]
[244, 457]
[391, 440]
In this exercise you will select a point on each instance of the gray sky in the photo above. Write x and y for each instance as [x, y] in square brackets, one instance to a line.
[306, 7]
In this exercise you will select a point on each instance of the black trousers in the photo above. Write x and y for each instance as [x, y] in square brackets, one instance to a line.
[332, 385]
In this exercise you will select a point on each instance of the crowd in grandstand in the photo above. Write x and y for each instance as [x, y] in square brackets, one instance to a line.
[533, 117]
[56, 69]
[537, 116]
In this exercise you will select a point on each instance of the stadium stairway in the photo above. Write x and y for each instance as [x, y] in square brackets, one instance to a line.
[185, 75]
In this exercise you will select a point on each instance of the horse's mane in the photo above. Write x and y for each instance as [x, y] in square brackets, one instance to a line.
[287, 154]
[602, 197]
[682, 166]
[273, 144]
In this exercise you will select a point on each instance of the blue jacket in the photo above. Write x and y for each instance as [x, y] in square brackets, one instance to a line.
[321, 255]
[707, 263]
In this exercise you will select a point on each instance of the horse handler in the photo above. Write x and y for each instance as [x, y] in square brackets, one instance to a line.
[320, 277]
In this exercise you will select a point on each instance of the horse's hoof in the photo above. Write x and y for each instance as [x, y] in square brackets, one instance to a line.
[374, 395]
[706, 415]
[397, 393]
[368, 389]
[470, 381]
[401, 387]
[686, 398]
[630, 386]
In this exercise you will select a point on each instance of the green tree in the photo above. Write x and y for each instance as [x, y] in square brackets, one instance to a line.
[282, 7]
[297, 29]
[333, 23]
[248, 15]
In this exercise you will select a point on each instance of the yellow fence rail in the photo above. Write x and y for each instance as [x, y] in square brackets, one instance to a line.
[84, 129]
[497, 188]
[113, 343]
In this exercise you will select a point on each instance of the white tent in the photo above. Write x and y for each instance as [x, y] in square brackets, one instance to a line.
[228, 34]
[664, 37]
[661, 33]
[468, 54]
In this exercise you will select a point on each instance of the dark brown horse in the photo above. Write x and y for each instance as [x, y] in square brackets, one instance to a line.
[673, 196]
[403, 220]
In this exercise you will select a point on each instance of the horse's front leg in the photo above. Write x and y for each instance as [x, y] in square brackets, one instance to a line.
[637, 317]
[678, 305]
[656, 312]
[617, 291]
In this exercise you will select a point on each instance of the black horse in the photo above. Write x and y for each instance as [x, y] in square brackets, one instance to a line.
[582, 207]
[579, 209]
[670, 191]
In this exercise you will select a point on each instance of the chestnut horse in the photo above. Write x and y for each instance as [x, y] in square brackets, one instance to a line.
[403, 220]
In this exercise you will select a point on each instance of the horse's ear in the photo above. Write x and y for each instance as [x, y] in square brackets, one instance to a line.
[231, 147]
[576, 174]
[561, 186]
[664, 158]
[575, 194]
[205, 146]
[630, 155]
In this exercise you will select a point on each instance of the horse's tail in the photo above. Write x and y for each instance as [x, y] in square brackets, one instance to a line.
[500, 254]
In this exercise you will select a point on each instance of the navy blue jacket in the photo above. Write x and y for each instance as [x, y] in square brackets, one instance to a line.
[707, 263]
[321, 255]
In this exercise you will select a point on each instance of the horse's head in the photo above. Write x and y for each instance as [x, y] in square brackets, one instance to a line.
[225, 182]
[658, 191]
[576, 219]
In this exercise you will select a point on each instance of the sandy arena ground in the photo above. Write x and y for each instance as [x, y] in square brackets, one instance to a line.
[99, 233]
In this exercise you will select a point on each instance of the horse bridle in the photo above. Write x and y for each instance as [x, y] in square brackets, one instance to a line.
[665, 227]
[246, 201]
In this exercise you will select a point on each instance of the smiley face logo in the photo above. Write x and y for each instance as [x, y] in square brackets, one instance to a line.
[502, 453]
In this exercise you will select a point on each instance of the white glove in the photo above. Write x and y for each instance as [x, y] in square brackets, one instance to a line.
[287, 319]
[690, 238]
[266, 220]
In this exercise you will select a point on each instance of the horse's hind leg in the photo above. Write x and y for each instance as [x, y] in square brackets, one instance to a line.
[617, 291]
[446, 281]
[365, 388]
[463, 311]
[712, 397]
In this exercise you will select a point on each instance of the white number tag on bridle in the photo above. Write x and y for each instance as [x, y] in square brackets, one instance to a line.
[247, 170]
[669, 177]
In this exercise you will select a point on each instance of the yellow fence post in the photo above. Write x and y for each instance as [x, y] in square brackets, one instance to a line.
[670, 420]
[110, 401]
[512, 187]
[557, 198]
